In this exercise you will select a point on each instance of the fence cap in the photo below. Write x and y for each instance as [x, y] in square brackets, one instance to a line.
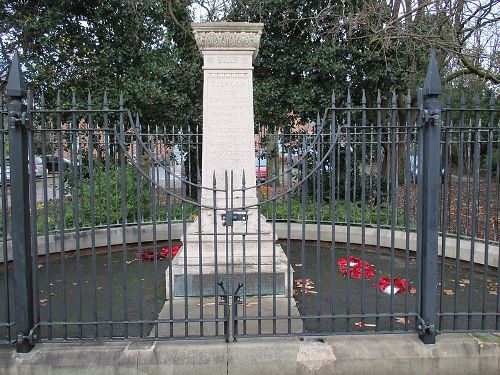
[16, 86]
[432, 83]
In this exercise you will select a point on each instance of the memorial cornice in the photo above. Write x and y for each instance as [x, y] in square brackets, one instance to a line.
[228, 36]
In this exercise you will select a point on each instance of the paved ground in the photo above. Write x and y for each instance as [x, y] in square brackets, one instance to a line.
[52, 189]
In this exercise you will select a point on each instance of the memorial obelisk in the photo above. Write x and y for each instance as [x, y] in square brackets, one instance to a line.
[228, 158]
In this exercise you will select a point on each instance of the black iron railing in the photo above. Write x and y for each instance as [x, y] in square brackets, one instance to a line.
[386, 211]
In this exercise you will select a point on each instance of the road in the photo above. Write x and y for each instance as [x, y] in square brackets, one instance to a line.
[52, 190]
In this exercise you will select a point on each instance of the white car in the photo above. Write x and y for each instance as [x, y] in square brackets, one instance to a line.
[7, 174]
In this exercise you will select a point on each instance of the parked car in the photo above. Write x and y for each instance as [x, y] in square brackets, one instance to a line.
[52, 163]
[38, 166]
[260, 168]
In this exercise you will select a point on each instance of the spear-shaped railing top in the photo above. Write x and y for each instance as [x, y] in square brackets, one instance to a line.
[16, 85]
[432, 83]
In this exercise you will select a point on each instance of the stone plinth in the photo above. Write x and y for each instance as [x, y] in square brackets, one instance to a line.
[248, 249]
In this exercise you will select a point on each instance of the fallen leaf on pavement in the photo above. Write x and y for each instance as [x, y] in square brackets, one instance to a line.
[361, 324]
[307, 291]
[205, 304]
[448, 292]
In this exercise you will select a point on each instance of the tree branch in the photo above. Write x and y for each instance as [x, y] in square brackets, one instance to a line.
[175, 20]
[495, 78]
[458, 73]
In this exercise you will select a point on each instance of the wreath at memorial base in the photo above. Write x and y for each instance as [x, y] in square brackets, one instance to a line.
[162, 254]
[355, 268]
[399, 286]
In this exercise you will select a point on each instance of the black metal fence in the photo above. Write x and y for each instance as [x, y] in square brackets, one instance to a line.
[381, 216]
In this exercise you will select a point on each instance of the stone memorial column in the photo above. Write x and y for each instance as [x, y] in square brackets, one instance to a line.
[228, 51]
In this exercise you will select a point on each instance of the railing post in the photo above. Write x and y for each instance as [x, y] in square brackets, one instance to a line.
[429, 181]
[19, 193]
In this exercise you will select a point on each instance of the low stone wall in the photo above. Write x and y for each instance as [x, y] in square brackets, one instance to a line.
[356, 237]
[454, 353]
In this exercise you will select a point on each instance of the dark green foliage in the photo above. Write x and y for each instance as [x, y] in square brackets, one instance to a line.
[128, 47]
[100, 201]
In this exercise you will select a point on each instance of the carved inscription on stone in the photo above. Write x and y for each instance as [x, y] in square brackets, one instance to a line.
[228, 126]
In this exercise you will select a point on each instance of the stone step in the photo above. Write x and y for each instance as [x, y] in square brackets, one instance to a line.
[269, 307]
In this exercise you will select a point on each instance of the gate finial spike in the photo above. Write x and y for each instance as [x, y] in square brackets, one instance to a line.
[121, 100]
[89, 99]
[318, 120]
[333, 98]
[363, 97]
[477, 101]
[73, 99]
[16, 85]
[243, 179]
[492, 100]
[42, 99]
[214, 180]
[462, 99]
[105, 100]
[432, 83]
[394, 98]
[349, 101]
[29, 95]
[408, 98]
[379, 98]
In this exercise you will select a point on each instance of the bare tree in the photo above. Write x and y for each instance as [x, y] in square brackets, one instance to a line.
[465, 32]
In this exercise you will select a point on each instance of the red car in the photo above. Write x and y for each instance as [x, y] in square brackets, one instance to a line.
[260, 168]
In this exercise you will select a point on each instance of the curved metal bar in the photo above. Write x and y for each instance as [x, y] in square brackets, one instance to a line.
[160, 162]
[187, 182]
[256, 186]
[294, 187]
[154, 183]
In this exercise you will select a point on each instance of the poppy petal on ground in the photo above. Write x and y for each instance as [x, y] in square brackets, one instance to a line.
[164, 253]
[356, 268]
[398, 286]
